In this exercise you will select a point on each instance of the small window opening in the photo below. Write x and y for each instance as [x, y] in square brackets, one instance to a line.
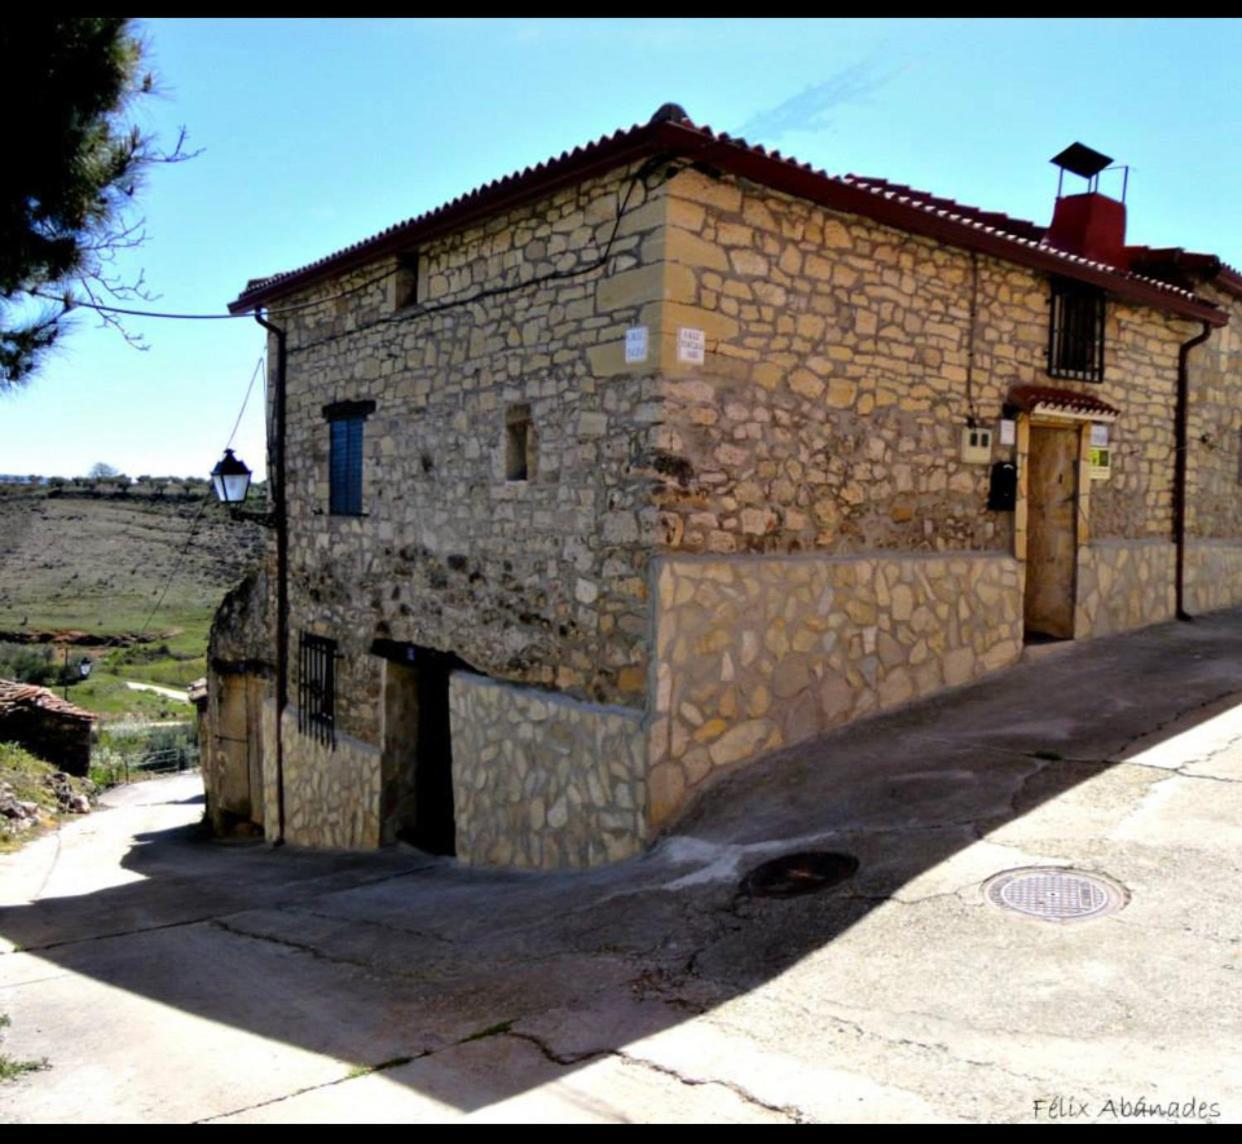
[1076, 332]
[317, 688]
[519, 443]
[405, 281]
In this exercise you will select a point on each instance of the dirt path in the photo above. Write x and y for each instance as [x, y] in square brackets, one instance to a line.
[167, 692]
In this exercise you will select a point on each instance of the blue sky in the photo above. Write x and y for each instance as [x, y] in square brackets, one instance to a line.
[318, 133]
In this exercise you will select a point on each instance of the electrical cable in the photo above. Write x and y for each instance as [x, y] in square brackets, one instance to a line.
[641, 174]
[202, 508]
[427, 309]
[74, 304]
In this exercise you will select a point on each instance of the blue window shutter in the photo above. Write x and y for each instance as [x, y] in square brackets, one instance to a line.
[345, 467]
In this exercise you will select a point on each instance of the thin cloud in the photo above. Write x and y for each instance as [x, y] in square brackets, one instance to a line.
[813, 108]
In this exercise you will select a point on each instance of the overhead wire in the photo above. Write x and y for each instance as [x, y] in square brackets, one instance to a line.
[640, 175]
[202, 508]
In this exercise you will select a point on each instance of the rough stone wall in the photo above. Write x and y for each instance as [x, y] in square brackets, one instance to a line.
[1213, 575]
[332, 794]
[1214, 430]
[62, 740]
[1124, 584]
[540, 581]
[543, 781]
[828, 413]
[758, 653]
[243, 629]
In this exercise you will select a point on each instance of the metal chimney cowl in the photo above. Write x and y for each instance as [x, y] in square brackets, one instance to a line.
[1091, 225]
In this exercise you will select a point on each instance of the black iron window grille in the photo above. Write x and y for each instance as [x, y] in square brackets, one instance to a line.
[1076, 332]
[317, 688]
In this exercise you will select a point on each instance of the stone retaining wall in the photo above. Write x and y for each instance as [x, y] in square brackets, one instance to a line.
[757, 653]
[332, 795]
[543, 781]
[1213, 576]
[1124, 584]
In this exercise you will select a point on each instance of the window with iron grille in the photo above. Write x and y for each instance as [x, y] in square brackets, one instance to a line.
[317, 688]
[1076, 332]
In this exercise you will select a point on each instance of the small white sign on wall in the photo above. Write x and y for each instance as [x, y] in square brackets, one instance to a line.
[1008, 431]
[636, 344]
[1099, 435]
[690, 345]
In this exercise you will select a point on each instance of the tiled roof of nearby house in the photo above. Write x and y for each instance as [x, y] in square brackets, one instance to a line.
[1045, 399]
[671, 132]
[14, 696]
[1173, 264]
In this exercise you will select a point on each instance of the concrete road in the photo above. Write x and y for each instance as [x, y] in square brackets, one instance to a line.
[168, 978]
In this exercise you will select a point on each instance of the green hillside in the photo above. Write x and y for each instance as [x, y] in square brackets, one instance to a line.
[82, 572]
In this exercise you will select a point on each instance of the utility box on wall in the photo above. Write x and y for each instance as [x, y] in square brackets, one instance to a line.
[1003, 488]
[976, 445]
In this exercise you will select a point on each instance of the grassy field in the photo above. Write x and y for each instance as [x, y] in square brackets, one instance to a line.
[119, 567]
[28, 778]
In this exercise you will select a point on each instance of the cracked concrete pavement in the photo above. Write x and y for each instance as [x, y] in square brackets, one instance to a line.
[168, 978]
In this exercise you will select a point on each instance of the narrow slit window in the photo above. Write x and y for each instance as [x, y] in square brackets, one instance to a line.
[1076, 332]
[519, 443]
[317, 688]
[405, 281]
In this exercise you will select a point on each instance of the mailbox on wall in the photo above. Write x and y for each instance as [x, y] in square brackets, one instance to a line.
[1003, 489]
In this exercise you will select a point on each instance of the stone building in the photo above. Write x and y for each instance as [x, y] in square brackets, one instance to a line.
[48, 726]
[670, 452]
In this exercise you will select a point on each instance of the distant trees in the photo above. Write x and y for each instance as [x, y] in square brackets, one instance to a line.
[102, 471]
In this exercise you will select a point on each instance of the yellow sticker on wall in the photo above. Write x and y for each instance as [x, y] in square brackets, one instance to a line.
[1100, 462]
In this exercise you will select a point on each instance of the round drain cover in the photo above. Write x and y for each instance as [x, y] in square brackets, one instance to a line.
[1053, 894]
[794, 874]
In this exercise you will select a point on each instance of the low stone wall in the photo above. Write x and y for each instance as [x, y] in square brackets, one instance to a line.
[755, 653]
[1124, 584]
[543, 781]
[332, 795]
[1213, 575]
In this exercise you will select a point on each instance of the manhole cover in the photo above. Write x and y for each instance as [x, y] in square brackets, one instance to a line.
[1054, 895]
[794, 874]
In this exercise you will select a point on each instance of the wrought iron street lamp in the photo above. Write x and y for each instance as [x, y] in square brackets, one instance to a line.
[231, 479]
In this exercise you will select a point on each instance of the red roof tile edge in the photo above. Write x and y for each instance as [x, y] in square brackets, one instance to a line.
[1031, 397]
[14, 694]
[892, 204]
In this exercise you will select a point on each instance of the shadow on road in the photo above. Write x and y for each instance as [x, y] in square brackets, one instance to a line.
[404, 962]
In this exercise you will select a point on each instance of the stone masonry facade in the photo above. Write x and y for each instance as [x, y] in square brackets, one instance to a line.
[700, 561]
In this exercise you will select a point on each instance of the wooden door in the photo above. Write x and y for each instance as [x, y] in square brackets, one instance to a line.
[1051, 539]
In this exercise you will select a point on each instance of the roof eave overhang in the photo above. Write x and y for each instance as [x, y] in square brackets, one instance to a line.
[799, 180]
[804, 182]
[534, 183]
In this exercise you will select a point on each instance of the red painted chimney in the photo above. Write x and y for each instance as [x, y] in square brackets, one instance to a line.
[1091, 224]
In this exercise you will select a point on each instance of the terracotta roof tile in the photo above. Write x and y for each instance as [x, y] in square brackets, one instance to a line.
[14, 695]
[1046, 399]
[671, 131]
